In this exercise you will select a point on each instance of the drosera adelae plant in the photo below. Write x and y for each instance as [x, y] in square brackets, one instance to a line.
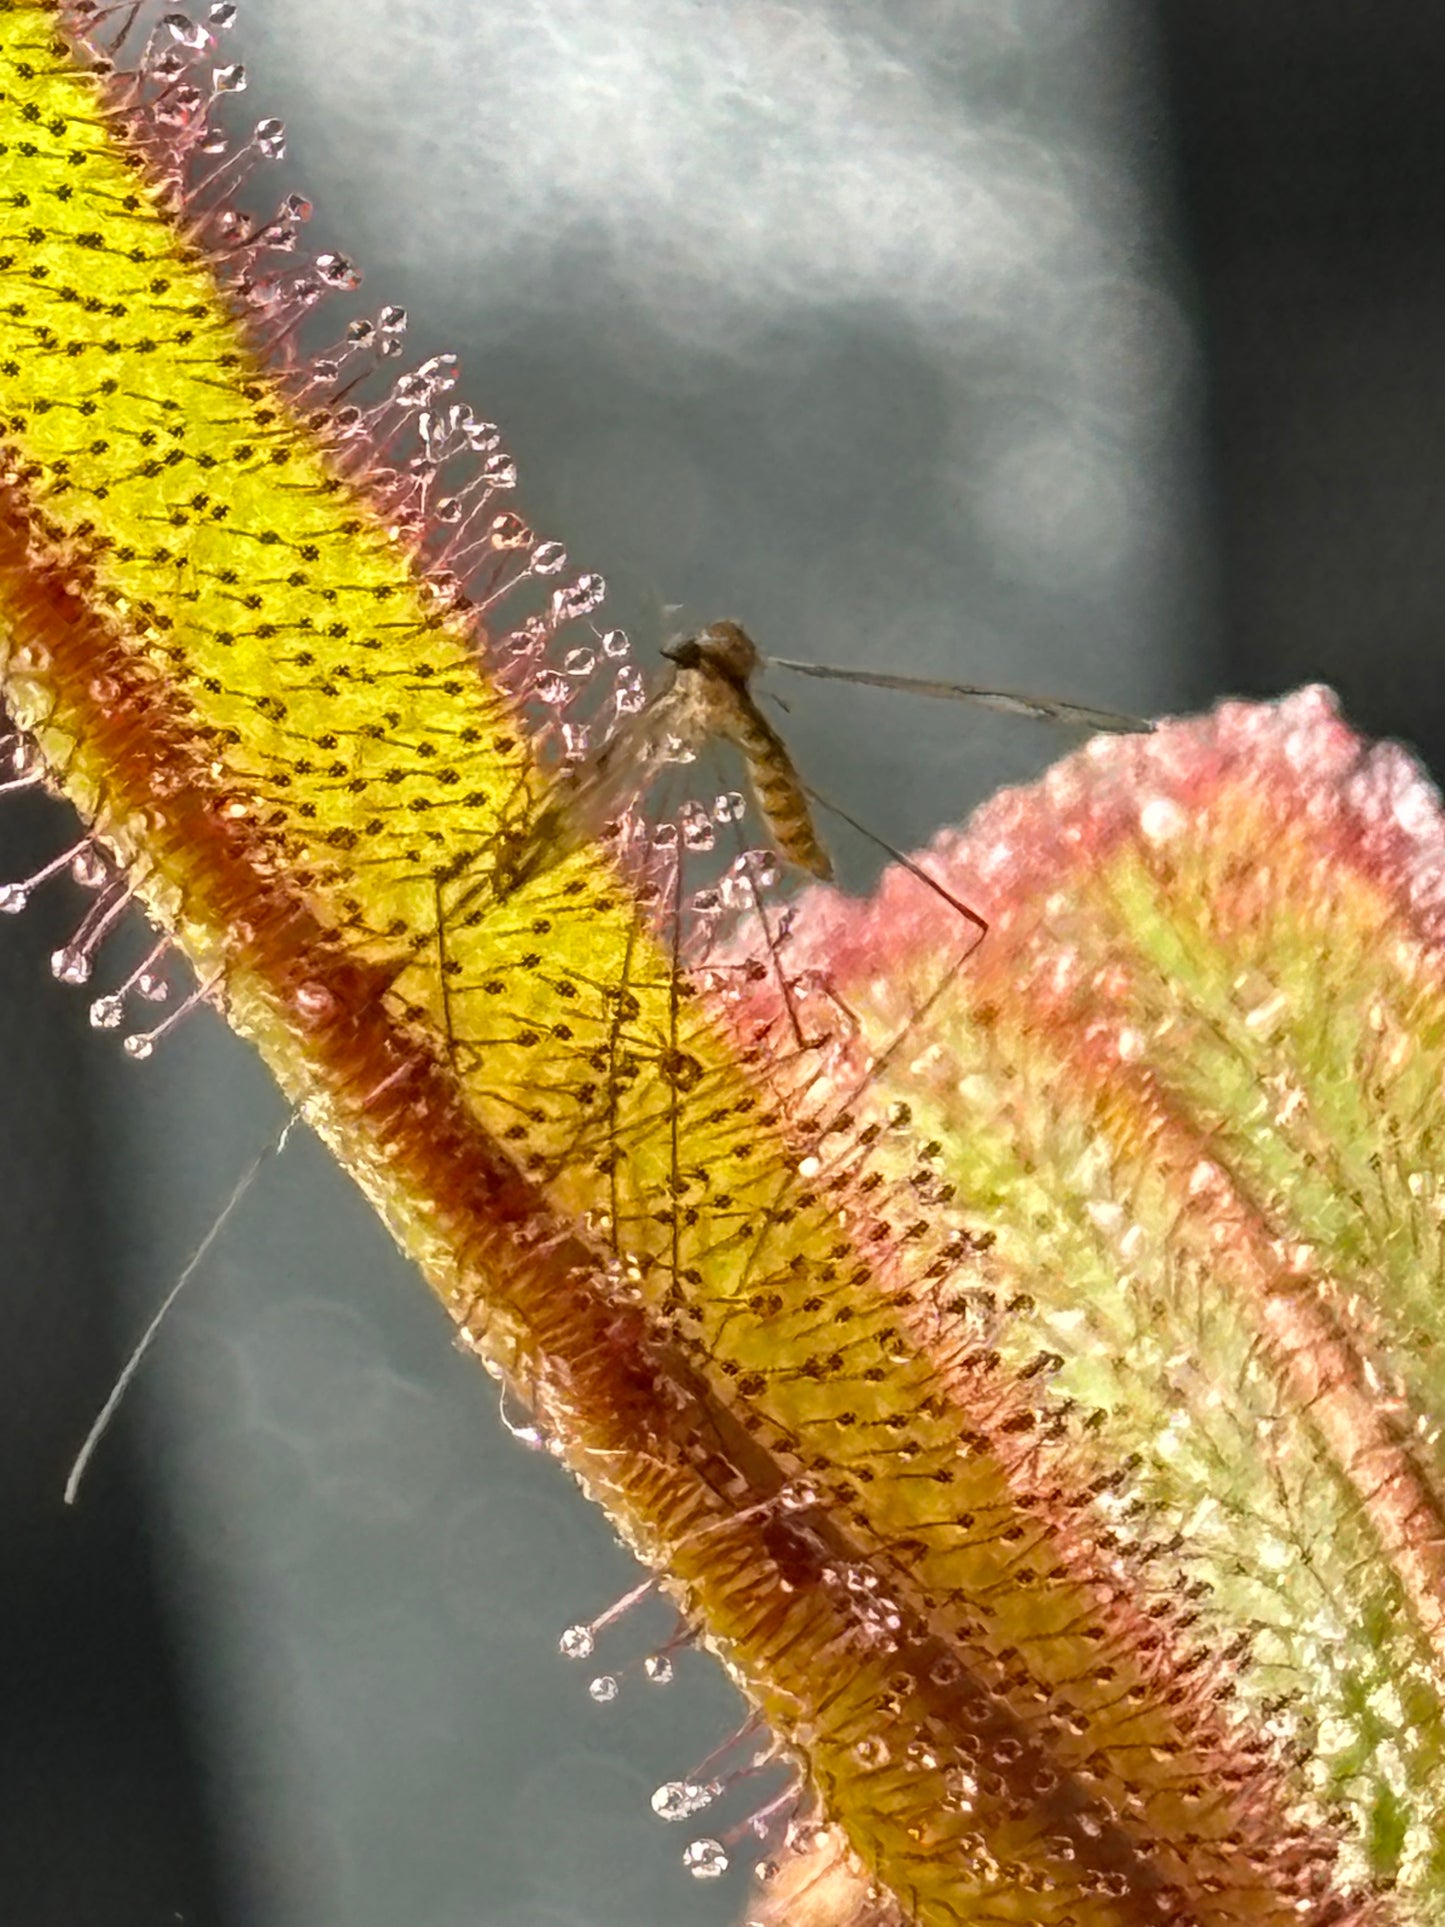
[963, 1394]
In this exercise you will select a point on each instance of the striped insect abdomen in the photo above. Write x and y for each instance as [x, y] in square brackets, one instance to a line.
[777, 786]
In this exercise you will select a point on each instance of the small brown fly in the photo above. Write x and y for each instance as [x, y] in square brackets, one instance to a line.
[709, 697]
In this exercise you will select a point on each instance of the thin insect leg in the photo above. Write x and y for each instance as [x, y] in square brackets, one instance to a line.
[788, 1183]
[675, 1171]
[619, 1016]
[489, 878]
[620, 1084]
[450, 873]
[442, 979]
[118, 38]
[763, 1226]
[147, 1338]
[956, 903]
[878, 1060]
[618, 995]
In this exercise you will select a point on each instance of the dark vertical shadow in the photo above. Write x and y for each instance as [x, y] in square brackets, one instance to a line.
[1310, 148]
[103, 1812]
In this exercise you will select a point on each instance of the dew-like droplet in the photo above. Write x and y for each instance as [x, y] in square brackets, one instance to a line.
[580, 662]
[731, 808]
[579, 598]
[697, 830]
[106, 1013]
[705, 1859]
[411, 391]
[548, 558]
[229, 80]
[222, 16]
[499, 471]
[603, 1689]
[151, 985]
[186, 32]
[1161, 820]
[554, 689]
[657, 1667]
[70, 964]
[270, 138]
[90, 869]
[615, 644]
[315, 1002]
[392, 321]
[630, 692]
[13, 898]
[179, 108]
[481, 437]
[577, 1643]
[509, 531]
[681, 1799]
[137, 1045]
[764, 868]
[443, 586]
[440, 373]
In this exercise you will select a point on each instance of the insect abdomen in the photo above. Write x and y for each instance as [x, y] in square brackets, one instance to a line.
[780, 793]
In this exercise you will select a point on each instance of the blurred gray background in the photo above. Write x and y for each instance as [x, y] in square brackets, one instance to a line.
[1068, 343]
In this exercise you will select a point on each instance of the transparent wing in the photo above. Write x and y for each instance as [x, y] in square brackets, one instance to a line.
[1010, 702]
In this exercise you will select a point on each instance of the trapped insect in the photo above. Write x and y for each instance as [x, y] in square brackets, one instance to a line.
[709, 697]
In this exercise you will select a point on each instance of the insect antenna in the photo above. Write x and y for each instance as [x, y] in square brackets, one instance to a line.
[1011, 702]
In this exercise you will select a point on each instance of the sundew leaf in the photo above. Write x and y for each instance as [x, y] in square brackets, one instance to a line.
[1028, 1447]
[1190, 1095]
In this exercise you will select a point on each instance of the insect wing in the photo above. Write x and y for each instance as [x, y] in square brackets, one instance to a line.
[1010, 702]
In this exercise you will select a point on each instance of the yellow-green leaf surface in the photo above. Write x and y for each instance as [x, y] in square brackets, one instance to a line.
[891, 1409]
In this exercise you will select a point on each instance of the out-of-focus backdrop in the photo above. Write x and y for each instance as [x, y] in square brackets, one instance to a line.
[1075, 344]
